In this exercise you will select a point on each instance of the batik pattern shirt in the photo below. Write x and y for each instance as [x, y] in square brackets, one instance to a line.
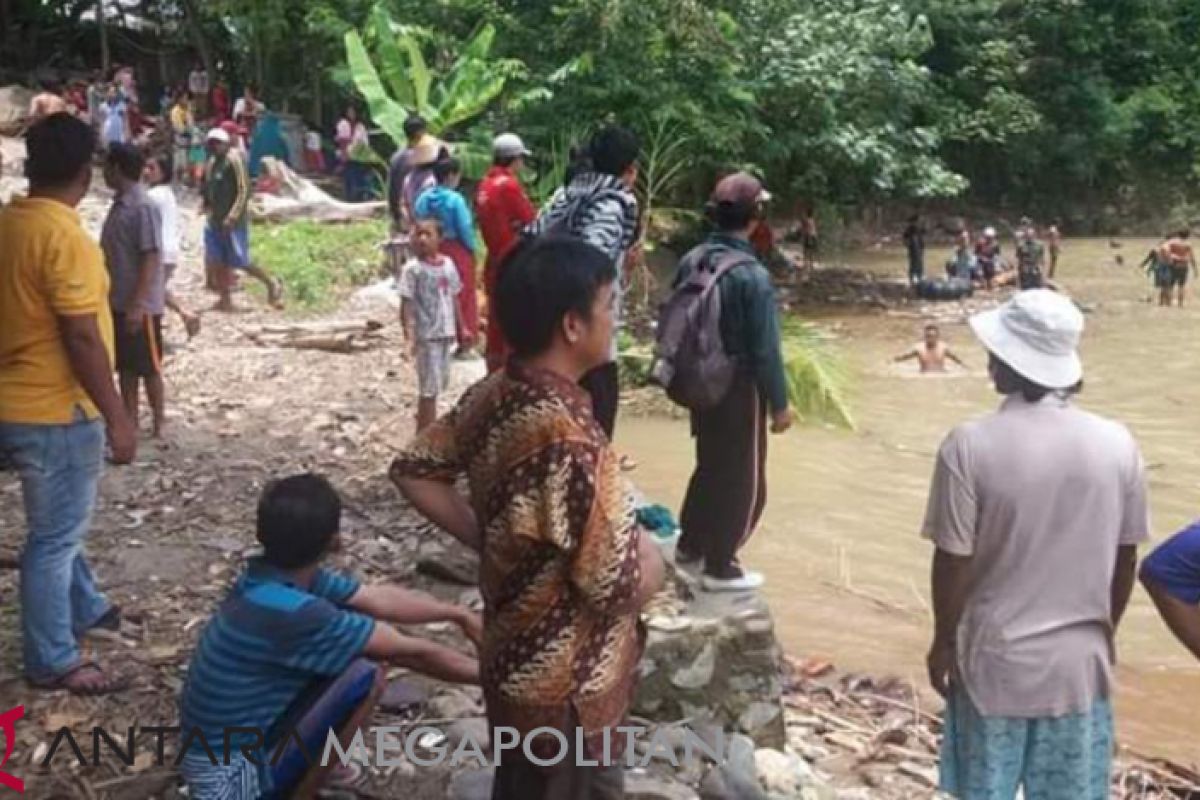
[559, 568]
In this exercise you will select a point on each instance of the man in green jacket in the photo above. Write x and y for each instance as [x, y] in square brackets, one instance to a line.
[728, 492]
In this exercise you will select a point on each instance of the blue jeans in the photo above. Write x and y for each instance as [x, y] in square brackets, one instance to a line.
[59, 466]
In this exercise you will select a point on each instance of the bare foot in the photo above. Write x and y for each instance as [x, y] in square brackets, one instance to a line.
[86, 679]
[224, 307]
[275, 294]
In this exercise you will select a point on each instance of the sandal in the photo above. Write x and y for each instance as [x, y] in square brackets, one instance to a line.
[75, 681]
[110, 620]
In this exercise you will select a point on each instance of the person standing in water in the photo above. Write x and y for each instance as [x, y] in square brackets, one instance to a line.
[914, 244]
[1176, 253]
[932, 353]
[1054, 245]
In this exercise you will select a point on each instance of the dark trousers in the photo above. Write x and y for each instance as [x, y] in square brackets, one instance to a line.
[916, 267]
[604, 385]
[728, 490]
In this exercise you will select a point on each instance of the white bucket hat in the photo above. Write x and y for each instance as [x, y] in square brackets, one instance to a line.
[1037, 334]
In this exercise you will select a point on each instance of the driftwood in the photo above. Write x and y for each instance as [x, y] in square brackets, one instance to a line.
[331, 337]
[881, 726]
[299, 198]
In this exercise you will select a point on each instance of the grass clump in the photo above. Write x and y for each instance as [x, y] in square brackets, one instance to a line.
[319, 262]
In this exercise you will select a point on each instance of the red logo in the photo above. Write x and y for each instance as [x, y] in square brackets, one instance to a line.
[8, 721]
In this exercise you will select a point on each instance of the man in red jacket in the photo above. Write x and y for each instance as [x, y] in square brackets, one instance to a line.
[503, 209]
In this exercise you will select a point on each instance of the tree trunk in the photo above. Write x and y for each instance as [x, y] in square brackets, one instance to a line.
[196, 32]
[105, 56]
[316, 98]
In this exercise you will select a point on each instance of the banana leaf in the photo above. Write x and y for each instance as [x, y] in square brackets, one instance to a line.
[419, 75]
[816, 377]
[386, 112]
[392, 61]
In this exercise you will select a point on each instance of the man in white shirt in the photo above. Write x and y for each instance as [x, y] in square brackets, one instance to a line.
[1036, 511]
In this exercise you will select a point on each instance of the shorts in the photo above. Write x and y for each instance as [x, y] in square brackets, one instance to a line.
[1179, 276]
[433, 366]
[138, 353]
[984, 758]
[227, 248]
[810, 243]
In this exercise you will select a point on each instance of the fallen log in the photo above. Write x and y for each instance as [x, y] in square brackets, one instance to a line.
[320, 328]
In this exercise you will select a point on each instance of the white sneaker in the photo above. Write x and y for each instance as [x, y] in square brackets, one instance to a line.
[748, 581]
[693, 567]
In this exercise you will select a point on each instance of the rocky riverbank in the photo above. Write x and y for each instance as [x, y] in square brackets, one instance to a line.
[173, 529]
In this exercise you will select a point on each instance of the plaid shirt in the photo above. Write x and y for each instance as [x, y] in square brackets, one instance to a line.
[560, 571]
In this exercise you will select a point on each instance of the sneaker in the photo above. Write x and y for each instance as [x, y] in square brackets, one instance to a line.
[685, 562]
[746, 582]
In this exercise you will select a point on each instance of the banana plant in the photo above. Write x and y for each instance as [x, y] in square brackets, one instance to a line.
[404, 83]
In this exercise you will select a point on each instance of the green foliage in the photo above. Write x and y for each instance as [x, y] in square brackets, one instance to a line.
[318, 262]
[816, 376]
[472, 82]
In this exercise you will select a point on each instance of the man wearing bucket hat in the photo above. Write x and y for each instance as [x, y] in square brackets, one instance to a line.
[1036, 511]
[503, 209]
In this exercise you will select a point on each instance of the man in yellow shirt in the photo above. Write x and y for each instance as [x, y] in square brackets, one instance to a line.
[55, 386]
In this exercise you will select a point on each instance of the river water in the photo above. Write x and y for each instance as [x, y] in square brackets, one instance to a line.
[847, 574]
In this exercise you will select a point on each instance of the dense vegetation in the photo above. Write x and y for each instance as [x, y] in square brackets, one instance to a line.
[1082, 109]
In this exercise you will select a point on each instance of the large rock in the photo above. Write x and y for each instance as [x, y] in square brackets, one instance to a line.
[719, 662]
[643, 786]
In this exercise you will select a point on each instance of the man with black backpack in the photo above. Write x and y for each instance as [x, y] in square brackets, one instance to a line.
[719, 355]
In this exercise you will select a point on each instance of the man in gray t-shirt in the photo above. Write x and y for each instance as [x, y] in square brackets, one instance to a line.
[132, 244]
[1036, 511]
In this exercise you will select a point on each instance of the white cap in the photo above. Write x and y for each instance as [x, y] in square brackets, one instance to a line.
[509, 145]
[217, 135]
[989, 232]
[1037, 334]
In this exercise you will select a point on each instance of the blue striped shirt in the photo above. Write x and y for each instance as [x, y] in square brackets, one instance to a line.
[268, 641]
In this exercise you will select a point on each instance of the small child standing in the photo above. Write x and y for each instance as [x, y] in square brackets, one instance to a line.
[429, 285]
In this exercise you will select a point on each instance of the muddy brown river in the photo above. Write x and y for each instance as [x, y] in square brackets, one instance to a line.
[847, 572]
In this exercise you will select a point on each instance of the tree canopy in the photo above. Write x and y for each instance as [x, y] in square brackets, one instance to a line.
[1084, 110]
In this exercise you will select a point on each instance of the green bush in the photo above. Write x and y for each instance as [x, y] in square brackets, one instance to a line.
[318, 263]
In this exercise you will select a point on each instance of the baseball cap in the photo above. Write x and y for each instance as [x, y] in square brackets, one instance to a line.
[740, 188]
[509, 145]
[217, 135]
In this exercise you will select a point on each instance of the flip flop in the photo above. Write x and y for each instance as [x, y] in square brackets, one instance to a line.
[110, 620]
[108, 685]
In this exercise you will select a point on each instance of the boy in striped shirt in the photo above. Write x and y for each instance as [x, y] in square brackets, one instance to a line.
[288, 623]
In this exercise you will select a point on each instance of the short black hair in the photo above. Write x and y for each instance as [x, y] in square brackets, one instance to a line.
[932, 326]
[443, 168]
[127, 158]
[59, 147]
[613, 150]
[732, 217]
[544, 280]
[298, 518]
[163, 162]
[1009, 381]
[414, 125]
[437, 223]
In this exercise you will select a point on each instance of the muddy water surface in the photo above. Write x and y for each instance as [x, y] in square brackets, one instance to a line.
[847, 573]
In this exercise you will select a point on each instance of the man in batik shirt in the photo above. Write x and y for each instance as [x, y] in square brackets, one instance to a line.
[564, 570]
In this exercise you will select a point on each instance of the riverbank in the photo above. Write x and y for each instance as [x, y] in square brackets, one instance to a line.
[172, 530]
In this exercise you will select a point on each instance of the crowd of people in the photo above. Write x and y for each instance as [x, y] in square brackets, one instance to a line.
[523, 471]
[979, 262]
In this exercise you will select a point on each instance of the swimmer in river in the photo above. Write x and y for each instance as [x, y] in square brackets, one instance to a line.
[932, 353]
